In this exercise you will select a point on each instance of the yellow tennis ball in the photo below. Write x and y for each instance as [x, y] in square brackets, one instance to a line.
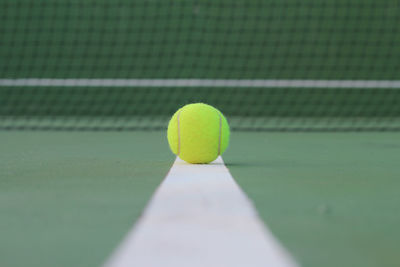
[198, 133]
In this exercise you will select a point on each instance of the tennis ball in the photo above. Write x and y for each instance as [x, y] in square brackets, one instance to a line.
[198, 133]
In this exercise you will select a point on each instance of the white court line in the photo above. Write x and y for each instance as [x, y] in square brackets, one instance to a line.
[200, 217]
[364, 84]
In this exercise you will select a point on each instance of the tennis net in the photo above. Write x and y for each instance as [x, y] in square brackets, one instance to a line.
[268, 65]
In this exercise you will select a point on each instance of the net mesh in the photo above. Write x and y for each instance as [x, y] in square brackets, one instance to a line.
[267, 65]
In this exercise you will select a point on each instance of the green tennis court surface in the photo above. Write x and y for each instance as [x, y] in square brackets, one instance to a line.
[68, 198]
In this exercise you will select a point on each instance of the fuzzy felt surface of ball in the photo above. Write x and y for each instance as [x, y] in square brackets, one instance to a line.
[198, 133]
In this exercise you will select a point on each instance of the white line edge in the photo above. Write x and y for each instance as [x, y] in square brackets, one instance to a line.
[199, 216]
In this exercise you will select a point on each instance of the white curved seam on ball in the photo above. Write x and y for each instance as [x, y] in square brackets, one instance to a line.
[220, 134]
[179, 133]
